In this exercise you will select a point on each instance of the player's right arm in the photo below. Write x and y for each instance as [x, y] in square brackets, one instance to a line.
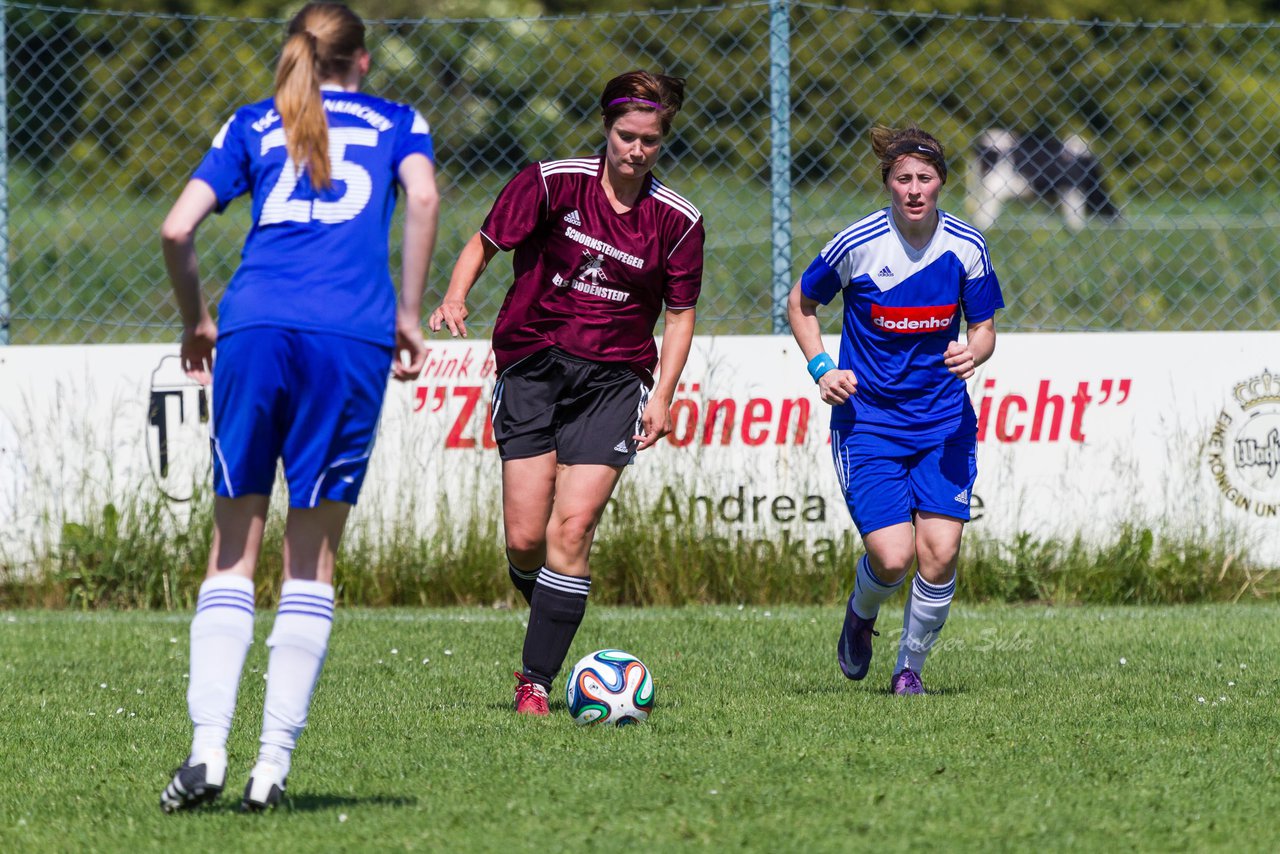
[422, 215]
[516, 215]
[178, 242]
[834, 385]
[472, 260]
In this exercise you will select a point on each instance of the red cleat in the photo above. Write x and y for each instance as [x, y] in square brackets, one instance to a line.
[531, 698]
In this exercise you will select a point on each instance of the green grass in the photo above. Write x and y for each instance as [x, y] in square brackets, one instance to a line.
[1047, 729]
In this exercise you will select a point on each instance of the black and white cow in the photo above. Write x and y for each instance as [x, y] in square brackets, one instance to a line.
[1036, 166]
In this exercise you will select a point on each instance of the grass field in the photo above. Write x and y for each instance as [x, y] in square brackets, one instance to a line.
[1046, 729]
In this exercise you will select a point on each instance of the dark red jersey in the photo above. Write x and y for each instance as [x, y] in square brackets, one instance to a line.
[588, 279]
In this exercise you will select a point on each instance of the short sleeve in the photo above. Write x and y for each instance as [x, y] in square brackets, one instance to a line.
[980, 294]
[225, 167]
[415, 139]
[518, 211]
[684, 269]
[820, 282]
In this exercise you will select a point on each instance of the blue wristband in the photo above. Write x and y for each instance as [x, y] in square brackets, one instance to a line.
[819, 365]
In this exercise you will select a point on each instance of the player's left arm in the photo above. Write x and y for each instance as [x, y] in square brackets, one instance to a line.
[980, 343]
[677, 339]
[422, 214]
[980, 296]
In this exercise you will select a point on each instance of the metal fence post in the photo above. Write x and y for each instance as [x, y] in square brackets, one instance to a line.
[780, 156]
[5, 313]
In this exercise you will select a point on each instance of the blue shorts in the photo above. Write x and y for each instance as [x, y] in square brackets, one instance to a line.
[309, 399]
[885, 480]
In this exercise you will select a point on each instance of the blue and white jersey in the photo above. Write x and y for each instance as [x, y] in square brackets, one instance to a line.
[316, 260]
[901, 308]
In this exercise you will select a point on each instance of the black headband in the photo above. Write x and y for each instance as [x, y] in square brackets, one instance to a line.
[900, 149]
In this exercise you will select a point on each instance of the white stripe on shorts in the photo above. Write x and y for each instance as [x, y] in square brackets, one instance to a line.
[222, 462]
[840, 456]
[368, 452]
[497, 402]
[644, 401]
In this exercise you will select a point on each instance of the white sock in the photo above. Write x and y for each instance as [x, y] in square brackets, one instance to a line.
[870, 592]
[299, 641]
[221, 633]
[922, 620]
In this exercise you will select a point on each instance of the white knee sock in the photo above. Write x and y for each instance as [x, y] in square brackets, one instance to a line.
[870, 592]
[299, 641]
[221, 633]
[922, 620]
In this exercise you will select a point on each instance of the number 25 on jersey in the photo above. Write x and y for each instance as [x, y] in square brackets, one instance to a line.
[279, 207]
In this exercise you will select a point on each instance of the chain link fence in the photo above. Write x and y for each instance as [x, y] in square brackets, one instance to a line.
[107, 114]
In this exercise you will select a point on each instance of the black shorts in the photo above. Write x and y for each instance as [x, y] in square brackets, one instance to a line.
[587, 412]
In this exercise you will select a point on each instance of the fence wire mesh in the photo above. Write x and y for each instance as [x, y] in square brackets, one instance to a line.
[1125, 174]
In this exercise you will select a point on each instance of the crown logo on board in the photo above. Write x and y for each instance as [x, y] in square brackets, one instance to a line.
[1255, 391]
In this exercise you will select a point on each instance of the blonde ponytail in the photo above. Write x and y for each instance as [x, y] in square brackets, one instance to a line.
[323, 41]
[301, 108]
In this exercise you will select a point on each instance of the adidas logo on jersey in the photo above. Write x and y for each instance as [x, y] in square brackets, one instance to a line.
[963, 497]
[622, 448]
[885, 272]
[572, 218]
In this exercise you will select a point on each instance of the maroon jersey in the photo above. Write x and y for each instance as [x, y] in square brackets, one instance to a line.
[588, 279]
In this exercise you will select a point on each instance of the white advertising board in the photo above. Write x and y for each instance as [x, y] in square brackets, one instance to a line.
[1078, 433]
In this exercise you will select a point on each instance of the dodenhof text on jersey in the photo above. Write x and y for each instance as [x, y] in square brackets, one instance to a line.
[913, 320]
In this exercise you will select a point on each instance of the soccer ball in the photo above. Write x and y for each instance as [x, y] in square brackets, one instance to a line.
[609, 686]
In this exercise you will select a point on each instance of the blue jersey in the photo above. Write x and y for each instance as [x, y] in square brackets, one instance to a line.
[315, 261]
[901, 308]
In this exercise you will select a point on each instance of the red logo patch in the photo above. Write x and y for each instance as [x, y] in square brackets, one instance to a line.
[913, 320]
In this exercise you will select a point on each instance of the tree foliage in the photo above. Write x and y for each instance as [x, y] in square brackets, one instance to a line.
[120, 99]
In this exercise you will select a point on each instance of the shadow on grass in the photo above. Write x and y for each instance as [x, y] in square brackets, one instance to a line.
[311, 803]
[831, 689]
[952, 690]
[318, 803]
[556, 706]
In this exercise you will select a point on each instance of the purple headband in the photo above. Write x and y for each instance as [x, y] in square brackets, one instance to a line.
[617, 101]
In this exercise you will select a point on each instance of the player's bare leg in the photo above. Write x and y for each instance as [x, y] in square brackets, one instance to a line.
[528, 489]
[238, 525]
[892, 551]
[938, 546]
[311, 539]
[582, 492]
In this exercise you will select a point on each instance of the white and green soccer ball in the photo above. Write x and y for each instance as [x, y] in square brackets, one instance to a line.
[609, 687]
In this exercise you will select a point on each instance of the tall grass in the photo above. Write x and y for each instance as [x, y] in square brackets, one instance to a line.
[146, 552]
[1135, 567]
